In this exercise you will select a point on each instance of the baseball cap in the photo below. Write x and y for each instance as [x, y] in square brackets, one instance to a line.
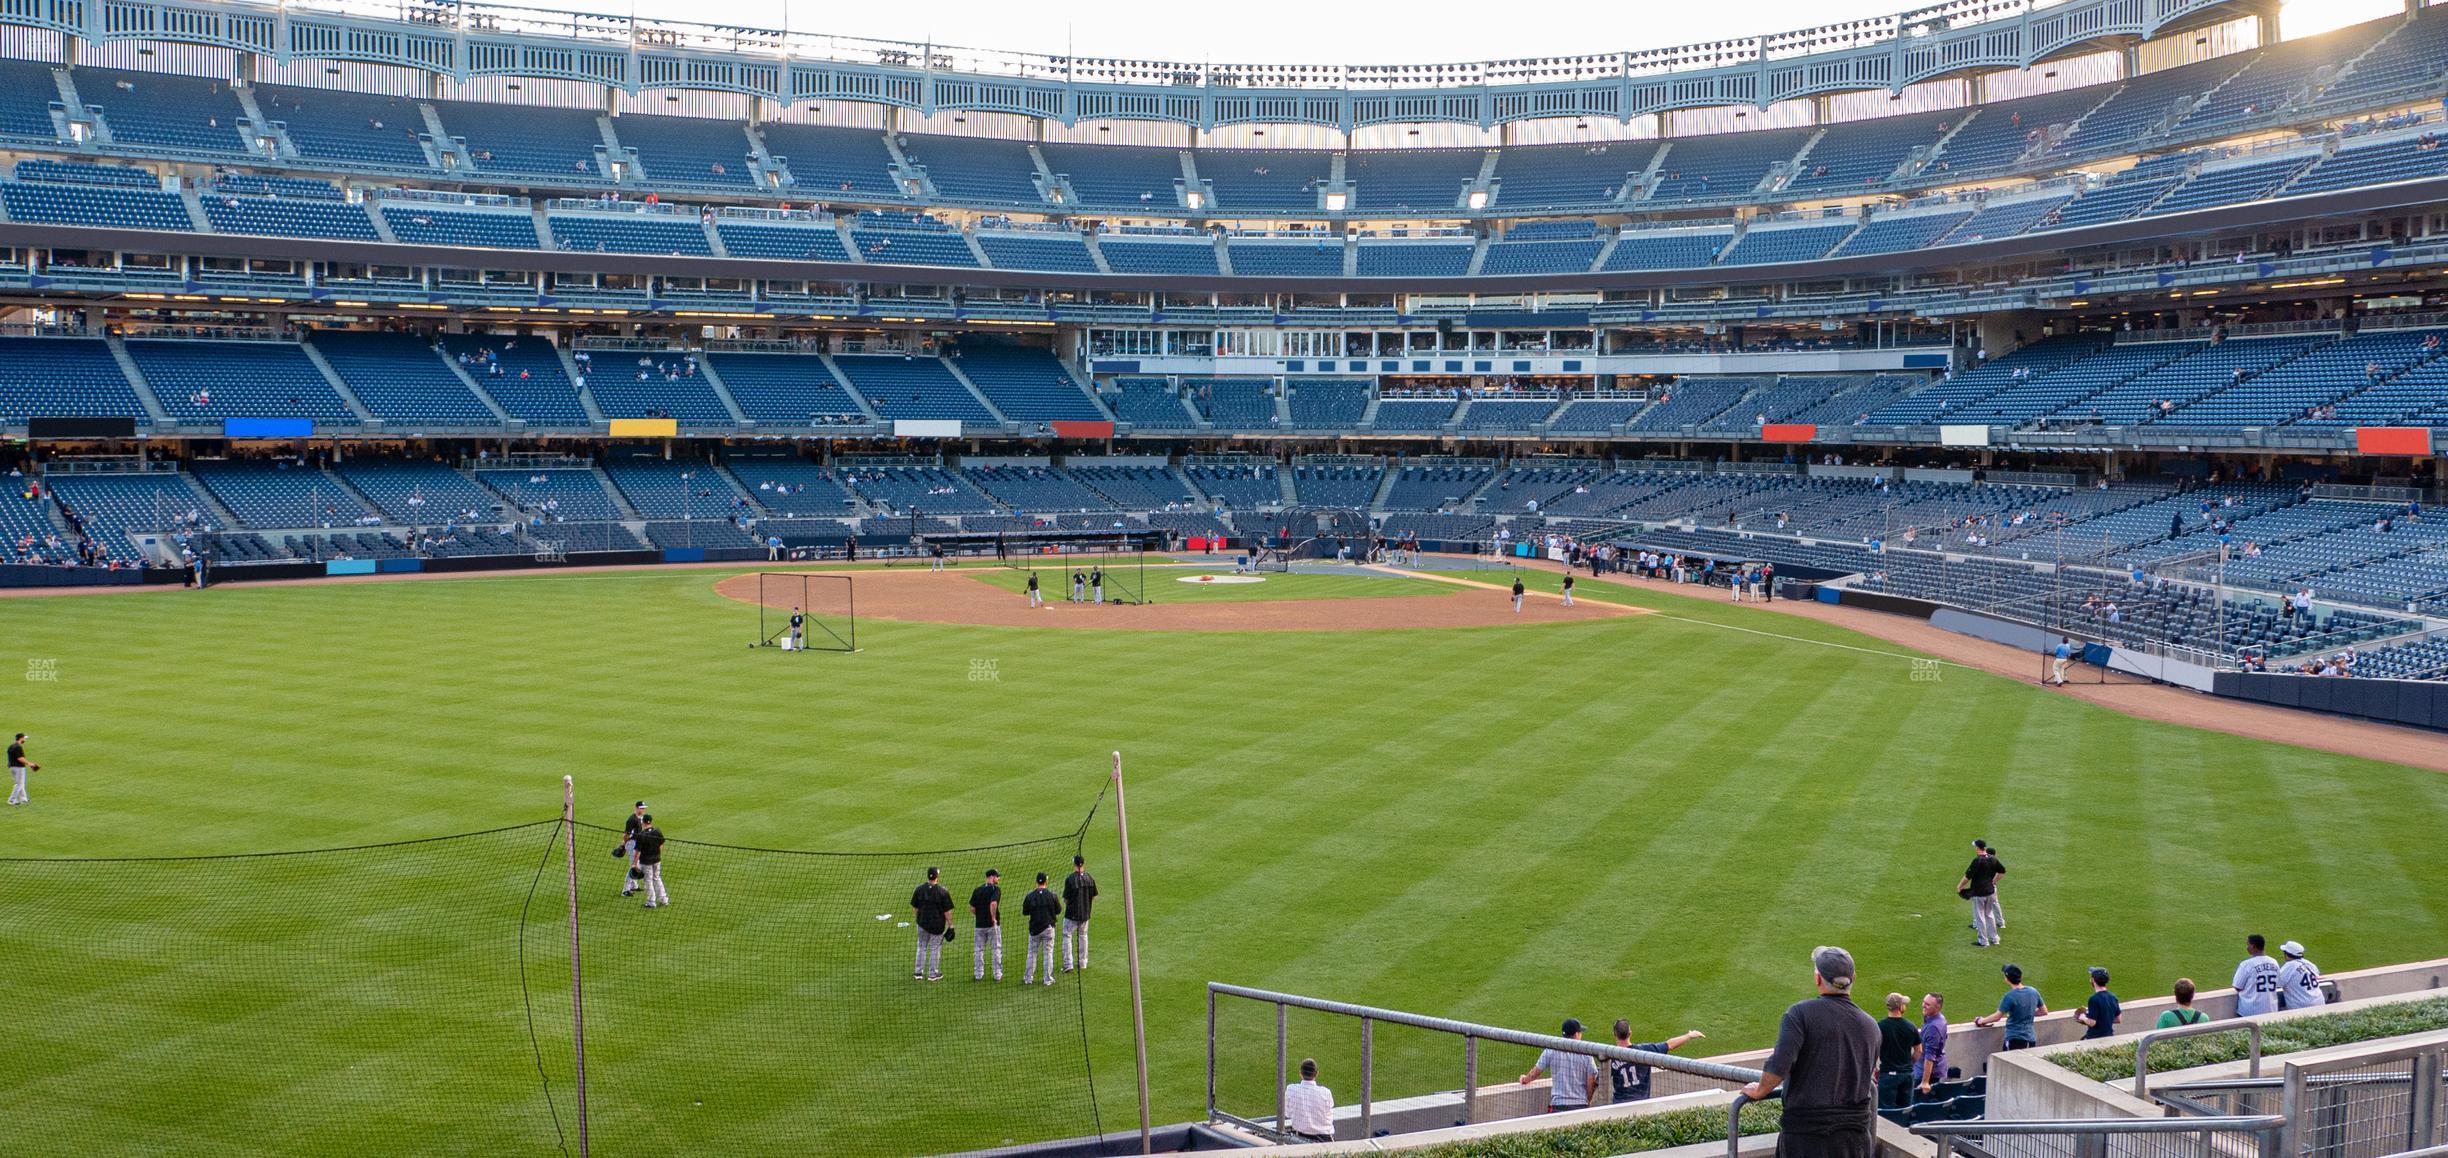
[931, 872]
[1041, 878]
[993, 873]
[1834, 966]
[2292, 948]
[2012, 971]
[2099, 975]
[641, 804]
[1572, 1025]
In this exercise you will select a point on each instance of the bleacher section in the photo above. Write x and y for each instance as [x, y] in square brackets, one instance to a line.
[63, 377]
[910, 387]
[528, 141]
[655, 233]
[1027, 385]
[785, 390]
[1264, 180]
[689, 150]
[1405, 180]
[357, 130]
[210, 381]
[151, 110]
[401, 379]
[523, 375]
[824, 161]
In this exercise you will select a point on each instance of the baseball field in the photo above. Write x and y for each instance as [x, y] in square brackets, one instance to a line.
[1595, 814]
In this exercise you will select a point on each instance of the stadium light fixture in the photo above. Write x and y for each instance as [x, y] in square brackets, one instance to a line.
[1335, 202]
[1478, 199]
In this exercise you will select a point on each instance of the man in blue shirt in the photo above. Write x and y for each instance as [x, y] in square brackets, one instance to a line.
[2018, 1008]
[2058, 660]
[2101, 1013]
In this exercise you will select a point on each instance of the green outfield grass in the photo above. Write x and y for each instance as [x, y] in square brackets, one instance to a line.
[1163, 585]
[1654, 817]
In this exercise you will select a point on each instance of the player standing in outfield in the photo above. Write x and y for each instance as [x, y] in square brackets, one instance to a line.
[1079, 587]
[1979, 885]
[1568, 581]
[2256, 980]
[630, 875]
[650, 861]
[798, 630]
[2298, 980]
[1079, 896]
[930, 903]
[1036, 597]
[986, 904]
[1517, 594]
[1096, 584]
[935, 555]
[18, 767]
[1043, 910]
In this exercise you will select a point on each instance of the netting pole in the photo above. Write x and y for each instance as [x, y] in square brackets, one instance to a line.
[1130, 936]
[569, 829]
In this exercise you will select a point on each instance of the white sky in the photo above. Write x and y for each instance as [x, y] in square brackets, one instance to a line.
[1310, 32]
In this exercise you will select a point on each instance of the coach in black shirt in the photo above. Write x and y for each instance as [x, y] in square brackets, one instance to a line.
[1826, 1057]
[986, 904]
[1079, 895]
[930, 903]
[1043, 909]
[649, 841]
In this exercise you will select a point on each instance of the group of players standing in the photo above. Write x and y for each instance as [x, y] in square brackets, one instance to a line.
[931, 904]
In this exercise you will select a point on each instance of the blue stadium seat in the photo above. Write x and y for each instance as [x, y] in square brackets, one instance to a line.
[211, 381]
[419, 224]
[679, 488]
[356, 130]
[824, 161]
[1428, 257]
[557, 494]
[271, 217]
[1026, 384]
[1117, 177]
[280, 494]
[689, 150]
[151, 110]
[907, 239]
[911, 387]
[790, 390]
[27, 92]
[63, 378]
[536, 141]
[401, 378]
[1128, 253]
[976, 170]
[1265, 180]
[1055, 252]
[808, 242]
[668, 385]
[1901, 233]
[1407, 180]
[418, 491]
[1856, 156]
[1724, 166]
[655, 233]
[1777, 246]
[1320, 258]
[1326, 403]
[524, 376]
[111, 208]
[1637, 249]
[1568, 176]
[1149, 404]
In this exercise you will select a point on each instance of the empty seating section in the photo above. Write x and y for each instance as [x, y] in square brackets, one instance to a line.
[1568, 176]
[2409, 61]
[1594, 415]
[1263, 180]
[280, 494]
[908, 387]
[27, 92]
[1149, 404]
[698, 532]
[2004, 219]
[930, 490]
[86, 173]
[269, 185]
[1637, 249]
[1414, 414]
[401, 379]
[781, 242]
[1236, 403]
[210, 381]
[1404, 180]
[114, 507]
[1134, 488]
[655, 233]
[976, 170]
[420, 225]
[1795, 243]
[110, 208]
[2123, 196]
[2231, 185]
[2204, 369]
[1141, 254]
[679, 488]
[1321, 258]
[2144, 102]
[1509, 256]
[524, 376]
[1386, 258]
[1336, 486]
[1498, 415]
[1948, 399]
[1037, 490]
[330, 127]
[1854, 406]
[1241, 487]
[824, 160]
[1780, 400]
[2277, 74]
[905, 239]
[2073, 390]
[1691, 402]
[151, 110]
[63, 377]
[268, 217]
[2321, 376]
[1435, 488]
[416, 492]
[1063, 252]
[1118, 177]
[526, 141]
[2407, 395]
[1859, 155]
[689, 150]
[1326, 403]
[1027, 385]
[2001, 133]
[2404, 158]
[787, 484]
[785, 389]
[1722, 167]
[556, 494]
[662, 384]
[1900, 234]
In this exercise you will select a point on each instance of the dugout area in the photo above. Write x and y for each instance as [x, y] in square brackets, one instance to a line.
[827, 605]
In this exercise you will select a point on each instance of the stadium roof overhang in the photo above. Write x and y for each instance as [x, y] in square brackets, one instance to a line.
[2403, 196]
[467, 41]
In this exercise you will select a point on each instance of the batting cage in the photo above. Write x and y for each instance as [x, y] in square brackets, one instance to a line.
[494, 992]
[1120, 561]
[825, 607]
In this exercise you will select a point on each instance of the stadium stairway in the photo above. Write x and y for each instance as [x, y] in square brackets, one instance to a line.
[847, 386]
[586, 398]
[635, 521]
[1385, 487]
[348, 397]
[474, 387]
[962, 377]
[136, 381]
[722, 392]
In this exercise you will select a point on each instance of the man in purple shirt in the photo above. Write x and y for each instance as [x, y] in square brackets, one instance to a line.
[1933, 1040]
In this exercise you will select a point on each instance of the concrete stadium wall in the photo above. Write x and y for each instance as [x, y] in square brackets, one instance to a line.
[1527, 1115]
[2416, 703]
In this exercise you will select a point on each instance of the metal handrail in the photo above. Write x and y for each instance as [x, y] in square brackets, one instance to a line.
[2143, 1042]
[2096, 1131]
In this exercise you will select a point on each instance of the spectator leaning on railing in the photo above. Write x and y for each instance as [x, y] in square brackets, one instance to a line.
[1826, 1057]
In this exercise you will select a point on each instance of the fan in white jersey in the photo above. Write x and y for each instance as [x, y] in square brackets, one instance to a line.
[2256, 980]
[2299, 984]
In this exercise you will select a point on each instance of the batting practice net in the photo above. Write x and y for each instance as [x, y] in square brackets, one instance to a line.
[416, 998]
[827, 604]
[1121, 562]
